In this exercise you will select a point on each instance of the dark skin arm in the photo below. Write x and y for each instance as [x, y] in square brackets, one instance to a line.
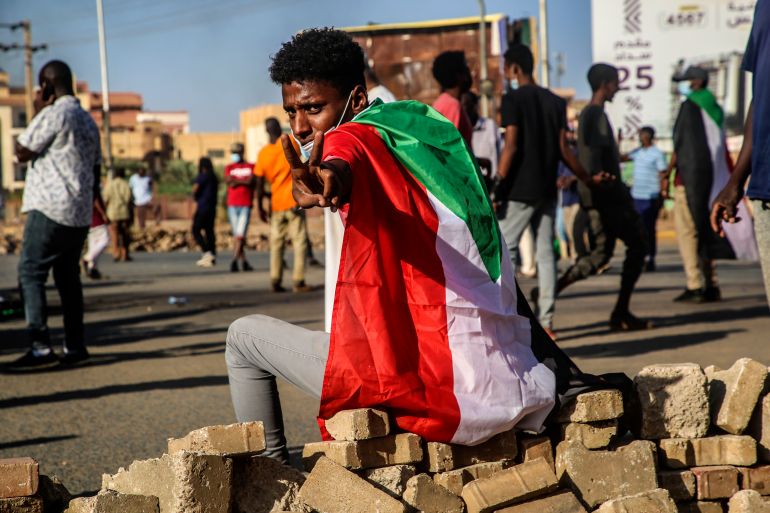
[509, 150]
[315, 183]
[260, 199]
[25, 154]
[725, 207]
[99, 204]
[577, 168]
[665, 179]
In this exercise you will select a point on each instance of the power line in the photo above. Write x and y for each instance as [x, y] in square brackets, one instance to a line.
[175, 19]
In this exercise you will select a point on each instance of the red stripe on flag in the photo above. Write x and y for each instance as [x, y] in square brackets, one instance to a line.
[389, 345]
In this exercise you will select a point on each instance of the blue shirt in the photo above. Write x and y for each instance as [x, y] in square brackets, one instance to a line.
[757, 61]
[648, 163]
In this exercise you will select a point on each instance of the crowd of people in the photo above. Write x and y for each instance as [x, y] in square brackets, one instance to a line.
[429, 322]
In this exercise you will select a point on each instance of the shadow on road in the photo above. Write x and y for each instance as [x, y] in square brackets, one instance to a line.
[679, 319]
[646, 344]
[35, 441]
[129, 388]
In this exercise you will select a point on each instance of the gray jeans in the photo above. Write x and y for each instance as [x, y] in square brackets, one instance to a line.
[261, 348]
[762, 233]
[541, 216]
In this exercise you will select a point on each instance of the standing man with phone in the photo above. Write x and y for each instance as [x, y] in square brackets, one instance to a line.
[61, 144]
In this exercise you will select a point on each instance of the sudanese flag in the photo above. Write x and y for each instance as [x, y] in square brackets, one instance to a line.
[704, 166]
[427, 321]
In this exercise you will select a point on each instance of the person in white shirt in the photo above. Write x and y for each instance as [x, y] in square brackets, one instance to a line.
[141, 188]
[374, 89]
[62, 147]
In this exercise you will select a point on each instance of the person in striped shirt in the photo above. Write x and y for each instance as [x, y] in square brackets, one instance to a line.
[649, 168]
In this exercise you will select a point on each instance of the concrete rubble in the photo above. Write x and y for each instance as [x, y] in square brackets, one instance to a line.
[687, 441]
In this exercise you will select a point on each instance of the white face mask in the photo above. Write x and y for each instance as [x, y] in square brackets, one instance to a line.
[307, 148]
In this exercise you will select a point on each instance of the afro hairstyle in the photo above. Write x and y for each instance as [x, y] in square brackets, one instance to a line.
[448, 67]
[521, 56]
[320, 55]
[601, 73]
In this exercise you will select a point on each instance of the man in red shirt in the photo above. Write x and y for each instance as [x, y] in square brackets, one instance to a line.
[452, 73]
[239, 177]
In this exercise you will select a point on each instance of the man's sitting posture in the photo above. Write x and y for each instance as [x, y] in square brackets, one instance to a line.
[427, 321]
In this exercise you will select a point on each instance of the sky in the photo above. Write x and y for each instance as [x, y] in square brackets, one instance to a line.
[210, 57]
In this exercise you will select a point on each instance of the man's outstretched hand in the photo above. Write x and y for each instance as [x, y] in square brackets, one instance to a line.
[600, 178]
[725, 207]
[316, 183]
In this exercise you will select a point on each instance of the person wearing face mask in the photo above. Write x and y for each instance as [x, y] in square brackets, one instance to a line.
[425, 304]
[241, 182]
[701, 161]
[535, 122]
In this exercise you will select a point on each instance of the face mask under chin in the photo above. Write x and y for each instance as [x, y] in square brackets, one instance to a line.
[307, 148]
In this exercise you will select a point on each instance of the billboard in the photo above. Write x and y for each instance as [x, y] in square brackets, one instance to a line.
[650, 40]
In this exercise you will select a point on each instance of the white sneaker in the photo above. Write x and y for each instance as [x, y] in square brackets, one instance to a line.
[207, 260]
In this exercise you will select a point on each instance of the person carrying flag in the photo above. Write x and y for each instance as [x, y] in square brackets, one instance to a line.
[428, 323]
[702, 168]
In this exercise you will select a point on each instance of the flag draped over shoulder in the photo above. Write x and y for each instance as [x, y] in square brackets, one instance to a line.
[705, 166]
[426, 321]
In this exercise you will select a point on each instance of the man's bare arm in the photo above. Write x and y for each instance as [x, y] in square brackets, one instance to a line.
[24, 154]
[576, 167]
[725, 207]
[509, 150]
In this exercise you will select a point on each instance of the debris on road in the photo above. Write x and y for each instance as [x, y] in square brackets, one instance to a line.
[686, 441]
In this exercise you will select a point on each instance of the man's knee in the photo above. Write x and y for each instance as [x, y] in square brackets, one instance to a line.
[239, 335]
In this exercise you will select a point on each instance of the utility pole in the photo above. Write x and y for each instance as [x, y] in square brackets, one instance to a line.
[29, 50]
[483, 58]
[105, 89]
[544, 43]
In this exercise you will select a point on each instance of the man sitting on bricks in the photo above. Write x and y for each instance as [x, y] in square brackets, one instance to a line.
[428, 323]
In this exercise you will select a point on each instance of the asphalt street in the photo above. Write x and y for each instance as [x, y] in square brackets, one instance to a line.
[158, 369]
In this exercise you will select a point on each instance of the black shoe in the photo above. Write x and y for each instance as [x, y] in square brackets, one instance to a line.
[234, 266]
[30, 361]
[246, 266]
[712, 294]
[690, 296]
[278, 288]
[301, 287]
[94, 274]
[313, 262]
[650, 267]
[626, 321]
[74, 358]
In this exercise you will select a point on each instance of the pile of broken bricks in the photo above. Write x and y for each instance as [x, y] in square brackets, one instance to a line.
[687, 440]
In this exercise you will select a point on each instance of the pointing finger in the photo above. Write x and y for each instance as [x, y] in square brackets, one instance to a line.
[318, 150]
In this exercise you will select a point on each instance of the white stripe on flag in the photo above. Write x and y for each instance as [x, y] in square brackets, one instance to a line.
[740, 235]
[498, 382]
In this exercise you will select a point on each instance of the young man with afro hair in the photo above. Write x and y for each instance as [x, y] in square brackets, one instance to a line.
[428, 323]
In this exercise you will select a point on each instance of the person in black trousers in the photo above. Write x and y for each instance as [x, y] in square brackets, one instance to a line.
[205, 191]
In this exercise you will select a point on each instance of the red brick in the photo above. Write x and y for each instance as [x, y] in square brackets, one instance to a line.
[18, 477]
[718, 482]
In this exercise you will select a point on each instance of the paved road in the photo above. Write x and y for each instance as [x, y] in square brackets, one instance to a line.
[158, 370]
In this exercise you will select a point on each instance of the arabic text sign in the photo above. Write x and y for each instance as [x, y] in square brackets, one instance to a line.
[648, 40]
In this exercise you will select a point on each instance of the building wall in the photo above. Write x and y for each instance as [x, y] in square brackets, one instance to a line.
[253, 127]
[215, 145]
